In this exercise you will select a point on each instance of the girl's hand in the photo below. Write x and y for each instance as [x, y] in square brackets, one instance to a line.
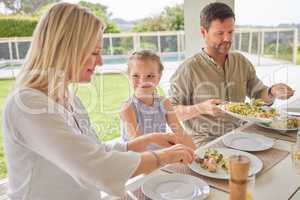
[164, 139]
[176, 154]
[169, 139]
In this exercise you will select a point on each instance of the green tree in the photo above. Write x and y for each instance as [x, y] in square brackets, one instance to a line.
[26, 7]
[96, 8]
[112, 27]
[155, 23]
[42, 10]
[101, 11]
[171, 19]
[174, 18]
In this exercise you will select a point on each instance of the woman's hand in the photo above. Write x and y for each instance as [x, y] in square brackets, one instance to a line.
[176, 154]
[186, 140]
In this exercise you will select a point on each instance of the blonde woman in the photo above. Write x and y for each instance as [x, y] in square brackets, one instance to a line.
[51, 149]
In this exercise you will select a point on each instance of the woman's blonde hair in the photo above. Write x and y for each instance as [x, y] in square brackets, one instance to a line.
[62, 41]
[145, 54]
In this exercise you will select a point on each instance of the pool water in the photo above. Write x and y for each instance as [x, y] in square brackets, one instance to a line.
[123, 59]
[112, 60]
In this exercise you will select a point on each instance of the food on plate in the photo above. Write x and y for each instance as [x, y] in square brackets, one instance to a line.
[258, 102]
[249, 196]
[212, 160]
[256, 108]
[288, 123]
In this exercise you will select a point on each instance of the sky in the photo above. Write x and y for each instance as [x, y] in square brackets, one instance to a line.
[248, 12]
[134, 9]
[267, 12]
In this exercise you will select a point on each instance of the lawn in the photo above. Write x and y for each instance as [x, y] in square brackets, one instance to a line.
[298, 56]
[103, 98]
[5, 87]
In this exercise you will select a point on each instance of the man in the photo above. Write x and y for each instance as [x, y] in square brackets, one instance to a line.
[215, 75]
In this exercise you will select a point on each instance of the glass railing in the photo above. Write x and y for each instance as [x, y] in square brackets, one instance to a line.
[276, 44]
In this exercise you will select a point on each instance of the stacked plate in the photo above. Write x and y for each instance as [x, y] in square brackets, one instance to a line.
[175, 187]
[293, 111]
[248, 142]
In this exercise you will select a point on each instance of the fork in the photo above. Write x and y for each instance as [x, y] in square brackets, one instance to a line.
[131, 195]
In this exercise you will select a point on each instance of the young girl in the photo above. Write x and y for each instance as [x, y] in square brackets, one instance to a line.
[147, 112]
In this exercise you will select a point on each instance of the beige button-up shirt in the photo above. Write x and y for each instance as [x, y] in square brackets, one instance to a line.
[199, 79]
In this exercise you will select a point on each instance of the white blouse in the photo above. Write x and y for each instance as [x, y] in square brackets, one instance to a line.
[53, 154]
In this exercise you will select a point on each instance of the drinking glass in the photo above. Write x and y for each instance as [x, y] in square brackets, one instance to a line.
[295, 153]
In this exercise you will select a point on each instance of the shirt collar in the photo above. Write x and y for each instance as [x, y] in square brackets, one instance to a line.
[210, 59]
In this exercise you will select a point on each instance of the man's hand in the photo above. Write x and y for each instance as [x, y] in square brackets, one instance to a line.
[210, 107]
[281, 91]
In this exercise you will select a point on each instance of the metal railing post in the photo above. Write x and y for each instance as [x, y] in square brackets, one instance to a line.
[17, 49]
[240, 41]
[277, 45]
[295, 46]
[158, 43]
[258, 47]
[178, 40]
[250, 42]
[136, 42]
[111, 45]
[10, 51]
[262, 43]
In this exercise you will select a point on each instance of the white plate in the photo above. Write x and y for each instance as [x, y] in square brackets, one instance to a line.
[255, 166]
[293, 111]
[175, 187]
[246, 118]
[248, 142]
[277, 129]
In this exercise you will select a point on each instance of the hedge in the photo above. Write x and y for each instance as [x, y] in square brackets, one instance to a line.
[17, 26]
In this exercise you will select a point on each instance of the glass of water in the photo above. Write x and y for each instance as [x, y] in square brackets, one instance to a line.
[295, 151]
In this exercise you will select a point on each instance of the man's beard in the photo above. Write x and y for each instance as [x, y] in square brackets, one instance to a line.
[222, 48]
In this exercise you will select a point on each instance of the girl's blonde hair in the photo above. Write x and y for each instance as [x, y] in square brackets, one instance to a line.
[145, 55]
[62, 41]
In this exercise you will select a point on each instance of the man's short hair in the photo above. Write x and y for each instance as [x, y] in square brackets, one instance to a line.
[215, 11]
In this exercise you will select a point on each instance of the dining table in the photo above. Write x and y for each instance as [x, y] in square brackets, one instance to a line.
[278, 182]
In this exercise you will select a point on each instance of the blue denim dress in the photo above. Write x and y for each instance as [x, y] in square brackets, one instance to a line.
[149, 118]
